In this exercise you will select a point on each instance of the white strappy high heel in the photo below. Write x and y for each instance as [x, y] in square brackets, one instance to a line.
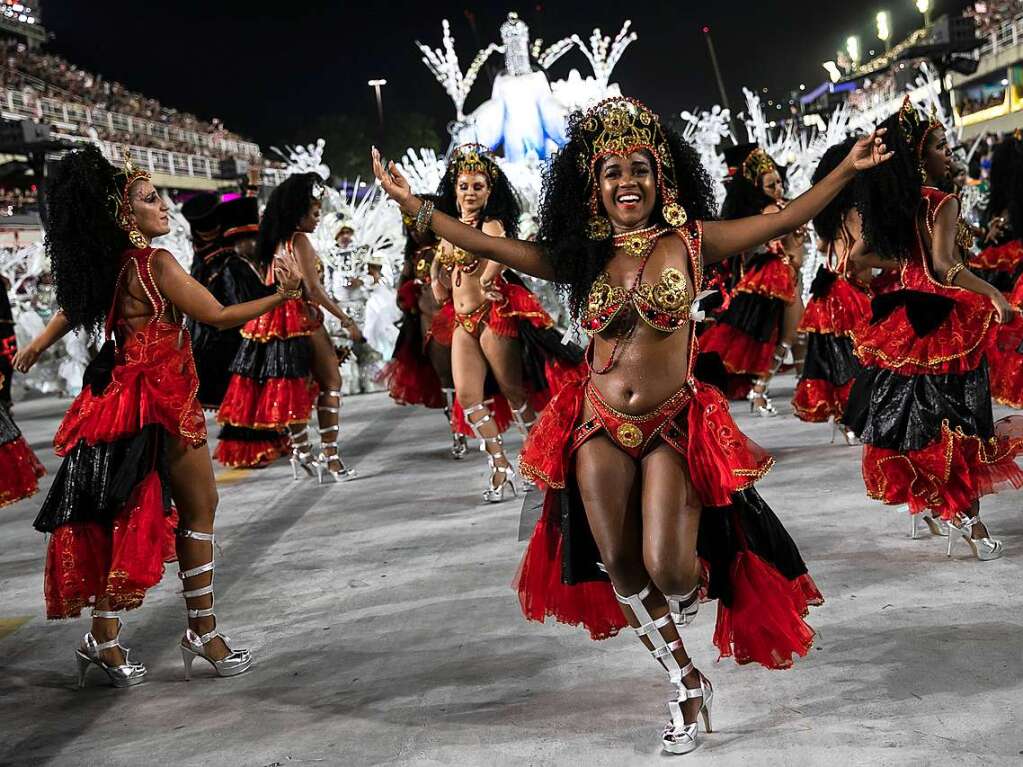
[679, 736]
[324, 461]
[302, 454]
[128, 674]
[192, 644]
[985, 549]
[494, 493]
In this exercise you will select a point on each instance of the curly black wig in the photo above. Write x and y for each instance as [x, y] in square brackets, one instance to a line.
[1006, 183]
[564, 210]
[828, 222]
[888, 195]
[502, 204]
[289, 203]
[83, 241]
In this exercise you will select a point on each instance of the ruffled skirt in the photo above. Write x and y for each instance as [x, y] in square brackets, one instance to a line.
[19, 477]
[108, 511]
[750, 563]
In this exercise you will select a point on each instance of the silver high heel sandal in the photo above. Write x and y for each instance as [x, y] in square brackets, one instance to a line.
[937, 527]
[323, 461]
[847, 434]
[128, 674]
[984, 549]
[459, 444]
[302, 454]
[193, 645]
[679, 737]
[493, 493]
[762, 411]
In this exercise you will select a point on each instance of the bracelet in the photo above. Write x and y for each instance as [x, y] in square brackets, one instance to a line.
[289, 294]
[950, 275]
[424, 216]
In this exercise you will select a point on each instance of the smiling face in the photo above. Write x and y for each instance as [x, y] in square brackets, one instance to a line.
[937, 158]
[628, 189]
[311, 218]
[771, 185]
[148, 210]
[472, 190]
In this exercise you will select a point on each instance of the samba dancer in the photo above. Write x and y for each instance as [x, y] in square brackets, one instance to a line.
[625, 231]
[135, 438]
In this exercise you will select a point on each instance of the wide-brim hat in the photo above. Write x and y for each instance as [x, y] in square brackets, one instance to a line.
[239, 218]
[203, 215]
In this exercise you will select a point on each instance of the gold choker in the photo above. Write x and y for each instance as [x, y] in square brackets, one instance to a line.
[635, 243]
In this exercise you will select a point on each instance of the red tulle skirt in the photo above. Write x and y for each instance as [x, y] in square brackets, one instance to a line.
[1002, 258]
[948, 475]
[1005, 357]
[776, 279]
[957, 346]
[89, 561]
[292, 318]
[275, 404]
[843, 310]
[764, 622]
[21, 470]
[817, 401]
[153, 383]
[442, 326]
[519, 305]
[409, 376]
[741, 354]
[237, 453]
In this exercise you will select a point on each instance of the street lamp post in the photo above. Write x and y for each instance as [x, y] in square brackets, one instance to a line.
[924, 6]
[884, 29]
[376, 84]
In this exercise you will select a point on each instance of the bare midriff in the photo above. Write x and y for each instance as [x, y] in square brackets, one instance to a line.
[466, 290]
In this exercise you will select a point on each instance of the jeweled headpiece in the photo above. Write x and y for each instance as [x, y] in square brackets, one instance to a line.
[472, 158]
[910, 121]
[621, 126]
[757, 163]
[122, 203]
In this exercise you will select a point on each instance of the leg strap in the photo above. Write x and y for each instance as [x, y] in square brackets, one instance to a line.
[684, 608]
[208, 567]
[650, 629]
[475, 425]
[522, 424]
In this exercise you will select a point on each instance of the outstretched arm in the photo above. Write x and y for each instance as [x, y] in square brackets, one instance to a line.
[55, 329]
[722, 239]
[193, 299]
[520, 255]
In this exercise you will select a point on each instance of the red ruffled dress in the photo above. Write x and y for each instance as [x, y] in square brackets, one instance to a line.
[1000, 264]
[922, 404]
[21, 470]
[108, 512]
[747, 332]
[410, 376]
[270, 387]
[836, 308]
[751, 565]
[1006, 356]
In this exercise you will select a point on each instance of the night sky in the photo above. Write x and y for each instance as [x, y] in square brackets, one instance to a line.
[265, 72]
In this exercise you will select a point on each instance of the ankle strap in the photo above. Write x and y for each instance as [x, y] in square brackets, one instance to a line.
[107, 614]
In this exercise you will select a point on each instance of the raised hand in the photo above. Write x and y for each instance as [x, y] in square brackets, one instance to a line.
[394, 184]
[870, 151]
[287, 272]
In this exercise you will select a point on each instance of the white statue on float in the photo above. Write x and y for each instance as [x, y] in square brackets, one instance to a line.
[525, 117]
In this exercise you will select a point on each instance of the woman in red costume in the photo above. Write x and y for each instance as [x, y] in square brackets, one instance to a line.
[922, 403]
[419, 372]
[135, 438]
[754, 335]
[503, 341]
[21, 469]
[649, 499]
[1001, 264]
[839, 304]
[286, 354]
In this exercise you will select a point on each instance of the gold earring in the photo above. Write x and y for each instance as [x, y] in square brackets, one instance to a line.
[598, 227]
[136, 238]
[674, 214]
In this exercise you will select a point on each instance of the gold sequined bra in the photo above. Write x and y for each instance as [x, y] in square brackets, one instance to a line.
[664, 305]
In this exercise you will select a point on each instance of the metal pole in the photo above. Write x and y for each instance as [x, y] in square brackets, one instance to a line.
[717, 75]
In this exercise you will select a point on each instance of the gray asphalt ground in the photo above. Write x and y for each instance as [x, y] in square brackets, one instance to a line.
[385, 631]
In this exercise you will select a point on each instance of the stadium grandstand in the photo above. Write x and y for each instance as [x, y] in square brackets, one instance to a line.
[47, 102]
